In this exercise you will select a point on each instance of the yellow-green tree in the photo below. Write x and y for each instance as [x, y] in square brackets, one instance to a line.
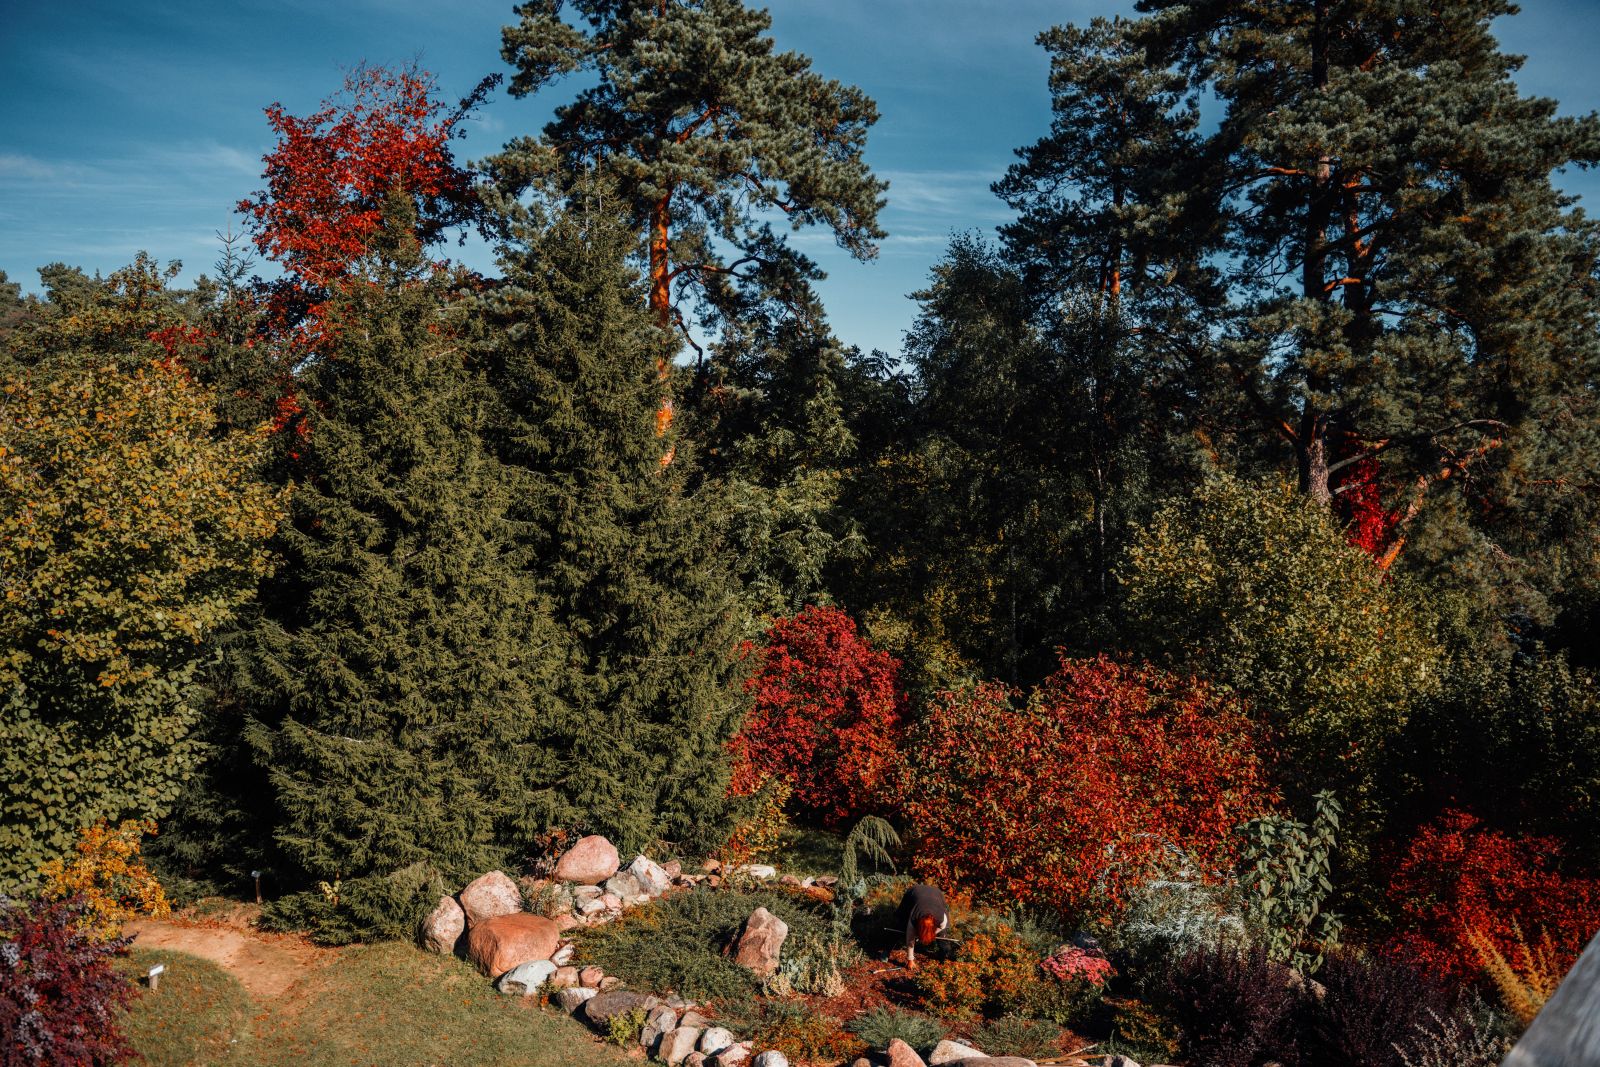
[131, 528]
[1254, 587]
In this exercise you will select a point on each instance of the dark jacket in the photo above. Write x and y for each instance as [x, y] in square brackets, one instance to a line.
[922, 900]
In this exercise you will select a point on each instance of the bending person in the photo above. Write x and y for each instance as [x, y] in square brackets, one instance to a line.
[923, 915]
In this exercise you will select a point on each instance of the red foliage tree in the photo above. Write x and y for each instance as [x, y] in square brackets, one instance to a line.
[331, 172]
[1458, 876]
[1030, 800]
[827, 716]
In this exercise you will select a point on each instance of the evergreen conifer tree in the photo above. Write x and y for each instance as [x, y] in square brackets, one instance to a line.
[705, 132]
[1407, 305]
[644, 694]
[396, 669]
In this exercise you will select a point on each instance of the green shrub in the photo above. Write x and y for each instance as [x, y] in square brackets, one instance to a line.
[376, 908]
[1142, 1033]
[1285, 880]
[623, 1030]
[880, 1026]
[1013, 1035]
[677, 943]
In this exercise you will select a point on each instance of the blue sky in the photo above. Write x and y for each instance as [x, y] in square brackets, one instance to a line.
[138, 126]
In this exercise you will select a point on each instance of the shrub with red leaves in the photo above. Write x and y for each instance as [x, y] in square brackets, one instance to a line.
[827, 717]
[1358, 498]
[59, 997]
[1030, 801]
[1458, 875]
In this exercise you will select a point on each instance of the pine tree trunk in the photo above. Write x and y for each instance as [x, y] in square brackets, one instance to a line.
[661, 304]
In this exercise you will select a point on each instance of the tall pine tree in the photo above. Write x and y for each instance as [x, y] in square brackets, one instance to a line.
[1407, 302]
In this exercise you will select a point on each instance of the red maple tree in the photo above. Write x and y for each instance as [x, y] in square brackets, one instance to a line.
[827, 716]
[331, 172]
[1052, 800]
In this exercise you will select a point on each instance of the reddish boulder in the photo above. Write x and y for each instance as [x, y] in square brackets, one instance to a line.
[497, 945]
[761, 942]
[589, 862]
[903, 1055]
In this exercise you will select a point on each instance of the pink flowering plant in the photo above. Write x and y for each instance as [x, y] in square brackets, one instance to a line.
[1073, 964]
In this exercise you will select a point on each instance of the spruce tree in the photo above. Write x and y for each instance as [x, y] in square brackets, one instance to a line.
[395, 671]
[769, 424]
[644, 693]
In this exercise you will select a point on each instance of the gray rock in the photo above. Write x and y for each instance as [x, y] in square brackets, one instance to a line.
[771, 1059]
[762, 871]
[489, 897]
[676, 1046]
[714, 1040]
[584, 893]
[606, 1005]
[527, 979]
[652, 879]
[694, 1019]
[574, 997]
[761, 943]
[952, 1052]
[443, 927]
[624, 886]
[661, 1021]
[732, 1056]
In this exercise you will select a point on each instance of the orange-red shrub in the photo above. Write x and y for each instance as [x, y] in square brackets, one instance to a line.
[1031, 800]
[1459, 876]
[827, 717]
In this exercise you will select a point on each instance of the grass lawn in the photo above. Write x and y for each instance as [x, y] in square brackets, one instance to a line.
[387, 1004]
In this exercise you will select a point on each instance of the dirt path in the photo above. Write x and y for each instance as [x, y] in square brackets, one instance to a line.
[267, 965]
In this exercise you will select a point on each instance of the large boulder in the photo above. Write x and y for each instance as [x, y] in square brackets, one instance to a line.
[761, 943]
[506, 941]
[601, 1009]
[676, 1046]
[651, 876]
[714, 1039]
[903, 1055]
[490, 897]
[589, 862]
[443, 927]
[526, 980]
[946, 1052]
[574, 997]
